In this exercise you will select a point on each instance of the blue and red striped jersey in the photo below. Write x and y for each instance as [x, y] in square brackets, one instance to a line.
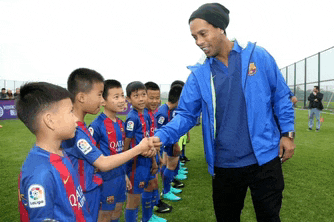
[83, 152]
[164, 115]
[109, 137]
[153, 122]
[49, 189]
[138, 127]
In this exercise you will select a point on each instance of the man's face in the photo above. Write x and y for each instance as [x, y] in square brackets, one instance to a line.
[207, 37]
[3, 91]
[315, 90]
[153, 99]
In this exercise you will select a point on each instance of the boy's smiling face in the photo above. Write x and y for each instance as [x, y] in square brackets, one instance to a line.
[115, 100]
[153, 99]
[138, 99]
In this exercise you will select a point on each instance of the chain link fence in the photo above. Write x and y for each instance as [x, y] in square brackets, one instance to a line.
[315, 70]
[301, 77]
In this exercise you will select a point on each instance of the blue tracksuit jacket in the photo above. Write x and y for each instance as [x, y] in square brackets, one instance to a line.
[266, 95]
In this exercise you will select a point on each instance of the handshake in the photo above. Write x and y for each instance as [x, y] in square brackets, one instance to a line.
[150, 146]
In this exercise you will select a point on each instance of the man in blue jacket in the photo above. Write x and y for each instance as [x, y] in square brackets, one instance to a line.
[238, 90]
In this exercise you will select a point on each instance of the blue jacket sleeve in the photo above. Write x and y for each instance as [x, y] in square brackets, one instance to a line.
[280, 98]
[189, 108]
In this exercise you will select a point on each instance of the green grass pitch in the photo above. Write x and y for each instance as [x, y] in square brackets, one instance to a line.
[309, 175]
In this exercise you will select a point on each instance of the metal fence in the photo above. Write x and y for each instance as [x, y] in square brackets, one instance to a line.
[13, 84]
[301, 77]
[10, 84]
[315, 70]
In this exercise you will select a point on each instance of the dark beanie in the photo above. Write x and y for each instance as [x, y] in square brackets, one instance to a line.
[213, 13]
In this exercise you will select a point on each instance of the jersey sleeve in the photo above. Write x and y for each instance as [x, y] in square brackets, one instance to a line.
[85, 148]
[95, 131]
[37, 193]
[161, 120]
[131, 124]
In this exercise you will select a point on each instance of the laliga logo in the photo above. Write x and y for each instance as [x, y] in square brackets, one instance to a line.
[1, 111]
[36, 193]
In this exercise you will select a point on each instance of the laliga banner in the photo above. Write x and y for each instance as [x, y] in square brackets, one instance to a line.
[7, 109]
[126, 109]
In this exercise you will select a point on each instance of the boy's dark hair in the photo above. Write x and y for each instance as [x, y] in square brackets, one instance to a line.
[110, 84]
[3, 89]
[82, 80]
[174, 93]
[152, 86]
[36, 97]
[134, 87]
[317, 87]
[177, 82]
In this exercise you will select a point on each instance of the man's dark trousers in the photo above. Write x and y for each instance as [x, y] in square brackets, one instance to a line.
[266, 183]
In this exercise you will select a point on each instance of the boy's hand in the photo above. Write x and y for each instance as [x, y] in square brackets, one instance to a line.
[128, 183]
[146, 147]
[156, 143]
[154, 168]
[188, 138]
[148, 150]
[176, 150]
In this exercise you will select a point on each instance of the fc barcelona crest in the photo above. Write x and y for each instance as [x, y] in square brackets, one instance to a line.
[141, 184]
[110, 199]
[252, 69]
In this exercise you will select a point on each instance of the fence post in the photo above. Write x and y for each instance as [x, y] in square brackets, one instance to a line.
[319, 70]
[305, 84]
[294, 81]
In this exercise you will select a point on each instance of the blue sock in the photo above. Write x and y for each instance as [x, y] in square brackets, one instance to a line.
[147, 212]
[168, 177]
[155, 198]
[116, 220]
[162, 170]
[176, 171]
[183, 151]
[131, 215]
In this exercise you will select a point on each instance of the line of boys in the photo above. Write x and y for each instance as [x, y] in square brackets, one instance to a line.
[47, 111]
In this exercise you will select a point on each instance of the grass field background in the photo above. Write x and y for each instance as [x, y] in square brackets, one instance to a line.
[309, 175]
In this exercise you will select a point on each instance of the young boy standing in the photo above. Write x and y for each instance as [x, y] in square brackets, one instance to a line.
[49, 188]
[87, 87]
[165, 115]
[138, 127]
[152, 103]
[108, 131]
